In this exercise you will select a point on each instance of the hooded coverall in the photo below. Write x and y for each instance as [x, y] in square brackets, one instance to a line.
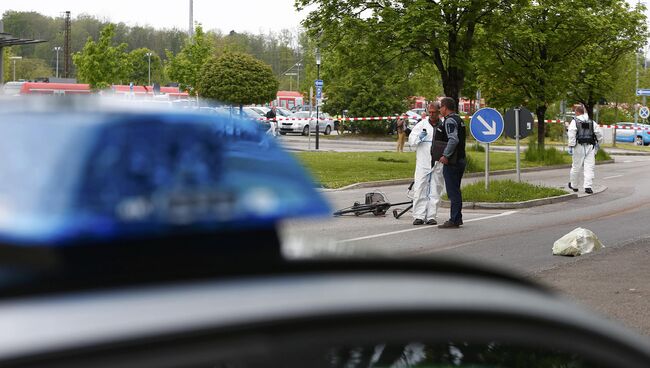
[584, 154]
[428, 181]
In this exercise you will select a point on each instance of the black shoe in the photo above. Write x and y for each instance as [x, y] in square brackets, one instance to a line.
[448, 225]
[574, 189]
[418, 222]
[432, 222]
[589, 191]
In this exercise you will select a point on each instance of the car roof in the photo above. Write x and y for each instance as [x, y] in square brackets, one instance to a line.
[141, 176]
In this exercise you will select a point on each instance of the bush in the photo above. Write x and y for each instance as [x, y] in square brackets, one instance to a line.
[549, 156]
[602, 155]
[373, 127]
[475, 147]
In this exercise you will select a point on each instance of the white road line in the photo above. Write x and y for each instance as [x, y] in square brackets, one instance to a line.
[612, 177]
[423, 227]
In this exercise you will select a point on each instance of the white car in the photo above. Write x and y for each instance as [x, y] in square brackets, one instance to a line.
[303, 122]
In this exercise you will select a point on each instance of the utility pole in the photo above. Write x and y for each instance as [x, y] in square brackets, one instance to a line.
[67, 52]
[57, 49]
[14, 58]
[191, 29]
[149, 56]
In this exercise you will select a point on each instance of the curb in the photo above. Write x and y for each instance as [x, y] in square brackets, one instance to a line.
[513, 205]
[382, 183]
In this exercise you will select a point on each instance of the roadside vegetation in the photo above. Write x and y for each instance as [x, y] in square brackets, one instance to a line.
[507, 191]
[338, 169]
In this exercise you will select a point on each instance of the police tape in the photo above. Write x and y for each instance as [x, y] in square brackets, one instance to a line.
[372, 118]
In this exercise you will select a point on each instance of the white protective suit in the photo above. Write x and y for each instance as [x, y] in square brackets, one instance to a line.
[428, 182]
[584, 155]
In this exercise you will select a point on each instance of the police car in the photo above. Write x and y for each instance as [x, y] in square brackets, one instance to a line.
[639, 134]
[148, 239]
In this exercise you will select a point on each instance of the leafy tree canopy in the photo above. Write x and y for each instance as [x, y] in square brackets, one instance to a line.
[237, 79]
[101, 64]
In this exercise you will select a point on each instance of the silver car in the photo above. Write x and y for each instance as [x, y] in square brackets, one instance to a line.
[304, 122]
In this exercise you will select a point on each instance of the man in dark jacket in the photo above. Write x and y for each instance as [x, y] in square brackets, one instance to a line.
[453, 158]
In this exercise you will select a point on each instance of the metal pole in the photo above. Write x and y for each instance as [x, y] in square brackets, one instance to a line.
[311, 108]
[149, 56]
[636, 107]
[487, 167]
[317, 103]
[57, 49]
[517, 111]
[191, 28]
[14, 70]
[2, 62]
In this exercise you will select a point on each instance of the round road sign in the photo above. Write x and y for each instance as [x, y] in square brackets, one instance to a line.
[486, 125]
[526, 121]
[644, 112]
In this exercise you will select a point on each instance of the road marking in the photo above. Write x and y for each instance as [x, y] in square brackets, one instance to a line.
[612, 177]
[423, 227]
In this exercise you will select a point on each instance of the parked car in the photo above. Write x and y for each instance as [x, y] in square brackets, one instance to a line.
[414, 116]
[639, 134]
[258, 115]
[11, 88]
[306, 122]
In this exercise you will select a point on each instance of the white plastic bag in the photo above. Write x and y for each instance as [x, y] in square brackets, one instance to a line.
[577, 242]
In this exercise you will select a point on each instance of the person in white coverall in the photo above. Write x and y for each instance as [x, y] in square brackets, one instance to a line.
[428, 181]
[585, 138]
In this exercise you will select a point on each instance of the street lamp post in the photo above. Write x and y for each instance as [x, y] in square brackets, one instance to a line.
[57, 49]
[14, 58]
[317, 97]
[149, 56]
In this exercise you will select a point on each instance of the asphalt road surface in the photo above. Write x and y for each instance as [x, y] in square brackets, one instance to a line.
[614, 281]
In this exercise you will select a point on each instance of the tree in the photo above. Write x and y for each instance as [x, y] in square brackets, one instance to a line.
[535, 55]
[362, 81]
[138, 64]
[99, 63]
[619, 31]
[237, 79]
[185, 67]
[442, 32]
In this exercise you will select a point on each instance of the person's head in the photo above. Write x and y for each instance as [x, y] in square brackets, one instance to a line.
[434, 112]
[273, 108]
[579, 110]
[447, 106]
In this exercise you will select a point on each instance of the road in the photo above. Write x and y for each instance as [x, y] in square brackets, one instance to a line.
[520, 240]
[299, 143]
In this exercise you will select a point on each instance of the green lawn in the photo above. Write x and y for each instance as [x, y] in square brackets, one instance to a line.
[507, 191]
[338, 169]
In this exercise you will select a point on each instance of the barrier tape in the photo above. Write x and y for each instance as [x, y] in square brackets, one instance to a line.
[377, 118]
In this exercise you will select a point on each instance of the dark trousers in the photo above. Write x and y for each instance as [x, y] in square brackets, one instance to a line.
[453, 174]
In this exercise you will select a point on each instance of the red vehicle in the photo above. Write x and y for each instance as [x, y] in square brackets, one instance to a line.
[174, 93]
[288, 99]
[41, 88]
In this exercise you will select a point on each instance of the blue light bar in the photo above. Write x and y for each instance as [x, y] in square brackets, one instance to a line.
[80, 175]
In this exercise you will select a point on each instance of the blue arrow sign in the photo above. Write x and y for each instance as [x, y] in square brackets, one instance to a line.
[643, 92]
[318, 83]
[486, 125]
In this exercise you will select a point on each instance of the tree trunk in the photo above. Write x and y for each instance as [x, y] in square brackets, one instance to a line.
[540, 111]
[452, 83]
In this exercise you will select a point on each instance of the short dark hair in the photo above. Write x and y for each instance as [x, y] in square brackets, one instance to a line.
[449, 103]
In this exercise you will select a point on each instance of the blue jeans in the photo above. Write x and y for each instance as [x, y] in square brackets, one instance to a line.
[453, 174]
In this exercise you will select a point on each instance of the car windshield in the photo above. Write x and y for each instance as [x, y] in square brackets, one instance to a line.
[137, 154]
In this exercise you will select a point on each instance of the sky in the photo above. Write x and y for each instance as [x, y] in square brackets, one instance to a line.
[254, 16]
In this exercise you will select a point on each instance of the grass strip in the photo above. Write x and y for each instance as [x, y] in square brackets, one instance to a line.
[338, 169]
[507, 191]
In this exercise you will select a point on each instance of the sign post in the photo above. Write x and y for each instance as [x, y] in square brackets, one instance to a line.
[518, 124]
[486, 126]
